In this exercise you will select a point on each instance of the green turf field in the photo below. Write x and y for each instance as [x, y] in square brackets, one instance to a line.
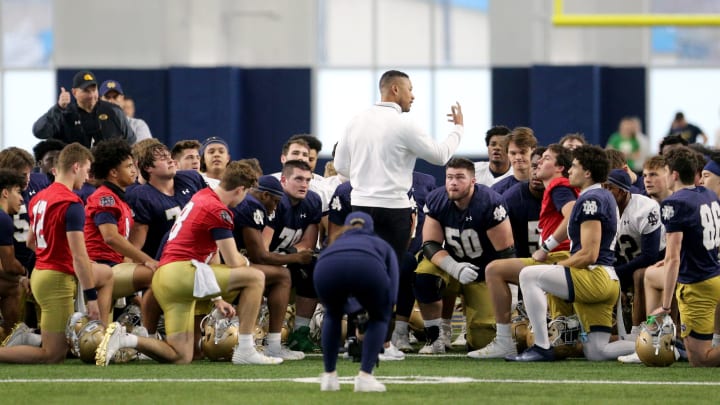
[421, 380]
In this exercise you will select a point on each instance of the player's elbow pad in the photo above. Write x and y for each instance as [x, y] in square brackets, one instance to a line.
[430, 248]
[507, 253]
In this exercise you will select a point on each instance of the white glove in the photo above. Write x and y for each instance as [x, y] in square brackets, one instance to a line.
[464, 272]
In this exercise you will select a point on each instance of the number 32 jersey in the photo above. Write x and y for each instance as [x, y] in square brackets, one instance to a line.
[465, 231]
[696, 213]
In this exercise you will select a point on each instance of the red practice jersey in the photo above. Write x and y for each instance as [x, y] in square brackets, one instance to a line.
[550, 217]
[105, 207]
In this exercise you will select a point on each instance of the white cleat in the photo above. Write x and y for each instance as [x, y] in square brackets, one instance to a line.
[461, 340]
[252, 356]
[19, 336]
[436, 347]
[391, 353]
[109, 346]
[368, 383]
[329, 382]
[630, 359]
[494, 350]
[401, 341]
[284, 353]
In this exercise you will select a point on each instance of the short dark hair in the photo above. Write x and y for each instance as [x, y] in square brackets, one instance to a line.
[538, 151]
[683, 161]
[563, 157]
[672, 140]
[48, 145]
[290, 165]
[461, 163]
[146, 157]
[575, 136]
[109, 154]
[290, 141]
[312, 141]
[180, 146]
[390, 76]
[679, 116]
[593, 159]
[10, 178]
[498, 130]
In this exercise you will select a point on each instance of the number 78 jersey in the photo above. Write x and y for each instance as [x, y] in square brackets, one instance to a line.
[465, 230]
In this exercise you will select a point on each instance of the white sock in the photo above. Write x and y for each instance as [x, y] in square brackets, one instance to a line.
[301, 321]
[504, 335]
[273, 341]
[401, 327]
[128, 340]
[246, 342]
[715, 340]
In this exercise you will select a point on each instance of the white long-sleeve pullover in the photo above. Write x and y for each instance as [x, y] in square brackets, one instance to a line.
[378, 151]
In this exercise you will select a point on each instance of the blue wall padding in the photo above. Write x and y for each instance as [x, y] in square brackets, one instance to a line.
[511, 96]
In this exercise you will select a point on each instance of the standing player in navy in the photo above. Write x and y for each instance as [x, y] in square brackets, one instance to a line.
[294, 228]
[13, 276]
[57, 218]
[587, 278]
[204, 227]
[471, 220]
[519, 148]
[691, 216]
[250, 217]
[361, 265]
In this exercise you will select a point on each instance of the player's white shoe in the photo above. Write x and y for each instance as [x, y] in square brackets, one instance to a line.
[109, 345]
[494, 350]
[436, 347]
[401, 341]
[329, 382]
[368, 383]
[252, 356]
[284, 353]
[630, 359]
[391, 353]
[461, 340]
[19, 336]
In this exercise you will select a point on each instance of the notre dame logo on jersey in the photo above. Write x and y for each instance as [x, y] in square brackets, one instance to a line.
[590, 207]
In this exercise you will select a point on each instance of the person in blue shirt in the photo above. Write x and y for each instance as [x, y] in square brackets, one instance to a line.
[361, 265]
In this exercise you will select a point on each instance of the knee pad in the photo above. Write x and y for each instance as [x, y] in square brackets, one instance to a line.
[428, 288]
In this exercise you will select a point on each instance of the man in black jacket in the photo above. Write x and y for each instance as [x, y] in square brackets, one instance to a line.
[86, 121]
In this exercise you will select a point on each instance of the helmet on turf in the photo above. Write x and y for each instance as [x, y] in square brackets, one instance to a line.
[75, 323]
[89, 338]
[519, 327]
[219, 336]
[654, 345]
[564, 333]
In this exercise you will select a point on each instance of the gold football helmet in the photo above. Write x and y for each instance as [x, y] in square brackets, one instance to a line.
[564, 333]
[219, 336]
[519, 327]
[654, 345]
[89, 338]
[75, 324]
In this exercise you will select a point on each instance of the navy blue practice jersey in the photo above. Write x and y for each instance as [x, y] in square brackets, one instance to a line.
[595, 204]
[524, 213]
[422, 185]
[696, 213]
[289, 222]
[340, 205]
[157, 210]
[465, 230]
[249, 213]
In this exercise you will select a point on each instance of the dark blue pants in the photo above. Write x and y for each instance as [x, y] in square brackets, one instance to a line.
[363, 276]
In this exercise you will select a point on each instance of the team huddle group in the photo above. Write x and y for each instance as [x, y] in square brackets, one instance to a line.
[204, 245]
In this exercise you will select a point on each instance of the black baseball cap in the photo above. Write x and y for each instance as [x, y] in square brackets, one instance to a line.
[84, 79]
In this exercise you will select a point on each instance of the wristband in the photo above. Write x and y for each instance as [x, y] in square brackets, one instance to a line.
[90, 294]
[549, 244]
[216, 299]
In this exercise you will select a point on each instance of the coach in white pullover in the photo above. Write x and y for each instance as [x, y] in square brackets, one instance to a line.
[377, 153]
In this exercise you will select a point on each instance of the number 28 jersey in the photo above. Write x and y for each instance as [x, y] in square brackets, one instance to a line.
[696, 213]
[465, 231]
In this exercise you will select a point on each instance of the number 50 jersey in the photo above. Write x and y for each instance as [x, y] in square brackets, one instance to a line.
[466, 230]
